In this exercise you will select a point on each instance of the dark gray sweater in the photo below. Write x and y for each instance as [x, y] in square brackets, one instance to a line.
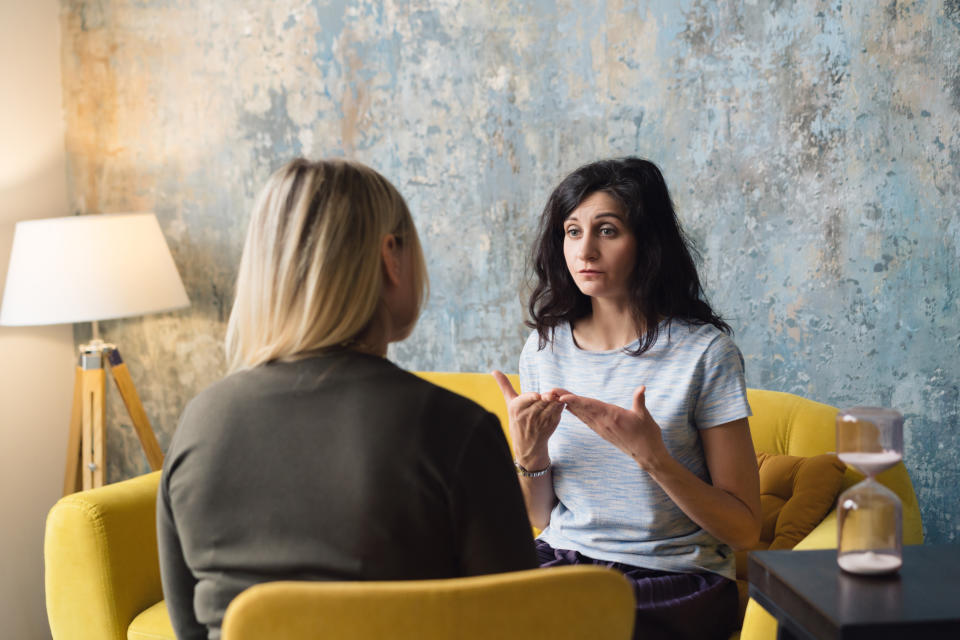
[338, 467]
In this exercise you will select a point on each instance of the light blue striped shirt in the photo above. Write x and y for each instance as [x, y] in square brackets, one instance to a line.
[607, 508]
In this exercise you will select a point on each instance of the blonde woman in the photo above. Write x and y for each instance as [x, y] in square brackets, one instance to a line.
[317, 458]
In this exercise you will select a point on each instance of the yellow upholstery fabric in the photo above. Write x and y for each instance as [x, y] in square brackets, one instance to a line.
[102, 572]
[100, 553]
[151, 624]
[563, 603]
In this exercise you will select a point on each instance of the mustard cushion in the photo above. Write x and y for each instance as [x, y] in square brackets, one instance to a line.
[795, 495]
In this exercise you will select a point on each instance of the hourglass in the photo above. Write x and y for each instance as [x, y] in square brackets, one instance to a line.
[870, 516]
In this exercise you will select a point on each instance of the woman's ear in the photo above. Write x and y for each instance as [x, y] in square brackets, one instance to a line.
[390, 256]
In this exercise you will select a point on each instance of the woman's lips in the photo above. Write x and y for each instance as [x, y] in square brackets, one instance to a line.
[589, 273]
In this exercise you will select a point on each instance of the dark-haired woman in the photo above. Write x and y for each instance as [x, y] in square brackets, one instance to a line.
[651, 468]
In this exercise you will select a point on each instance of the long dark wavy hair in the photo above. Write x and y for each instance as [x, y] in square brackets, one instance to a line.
[664, 284]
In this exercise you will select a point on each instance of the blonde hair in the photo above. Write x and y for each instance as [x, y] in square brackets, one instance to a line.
[310, 275]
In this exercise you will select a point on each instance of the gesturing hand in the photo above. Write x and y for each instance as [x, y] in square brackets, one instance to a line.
[533, 419]
[635, 432]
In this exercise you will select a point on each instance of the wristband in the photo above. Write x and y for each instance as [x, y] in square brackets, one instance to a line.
[531, 474]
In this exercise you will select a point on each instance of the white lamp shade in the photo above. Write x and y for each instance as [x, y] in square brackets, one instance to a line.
[86, 268]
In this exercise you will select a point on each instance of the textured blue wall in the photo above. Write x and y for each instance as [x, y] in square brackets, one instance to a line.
[812, 149]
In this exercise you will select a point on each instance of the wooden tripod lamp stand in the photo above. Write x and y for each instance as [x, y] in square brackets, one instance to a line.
[86, 269]
[87, 440]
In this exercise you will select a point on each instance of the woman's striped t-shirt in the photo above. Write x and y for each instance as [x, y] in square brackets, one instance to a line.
[608, 508]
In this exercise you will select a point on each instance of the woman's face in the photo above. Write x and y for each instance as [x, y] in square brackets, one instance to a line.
[599, 247]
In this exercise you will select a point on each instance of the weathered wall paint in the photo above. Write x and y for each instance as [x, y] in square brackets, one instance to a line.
[813, 149]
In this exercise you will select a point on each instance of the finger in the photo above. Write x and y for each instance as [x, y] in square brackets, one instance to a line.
[583, 408]
[640, 400]
[506, 388]
[552, 396]
[556, 410]
[573, 399]
[525, 401]
[543, 407]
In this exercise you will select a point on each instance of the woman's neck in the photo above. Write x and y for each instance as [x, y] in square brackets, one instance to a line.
[610, 325]
[373, 340]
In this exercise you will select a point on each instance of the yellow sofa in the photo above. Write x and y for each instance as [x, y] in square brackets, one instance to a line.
[100, 548]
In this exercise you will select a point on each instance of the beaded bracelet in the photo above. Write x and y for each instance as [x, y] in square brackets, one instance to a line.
[531, 474]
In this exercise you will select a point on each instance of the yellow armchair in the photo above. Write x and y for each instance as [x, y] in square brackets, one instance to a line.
[102, 572]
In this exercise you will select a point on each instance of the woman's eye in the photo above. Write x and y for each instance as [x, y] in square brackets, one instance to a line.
[608, 231]
[573, 232]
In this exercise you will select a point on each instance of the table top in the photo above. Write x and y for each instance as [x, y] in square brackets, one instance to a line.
[811, 593]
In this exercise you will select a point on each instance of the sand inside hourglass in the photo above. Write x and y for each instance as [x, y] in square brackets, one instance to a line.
[869, 562]
[871, 463]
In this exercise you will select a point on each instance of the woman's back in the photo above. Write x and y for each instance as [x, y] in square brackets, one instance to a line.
[337, 467]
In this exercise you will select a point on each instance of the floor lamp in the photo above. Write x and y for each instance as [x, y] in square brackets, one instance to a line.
[86, 269]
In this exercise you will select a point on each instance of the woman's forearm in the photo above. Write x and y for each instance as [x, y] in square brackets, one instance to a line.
[716, 510]
[539, 497]
[538, 493]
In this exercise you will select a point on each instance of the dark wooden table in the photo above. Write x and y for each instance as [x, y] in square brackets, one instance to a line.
[811, 597]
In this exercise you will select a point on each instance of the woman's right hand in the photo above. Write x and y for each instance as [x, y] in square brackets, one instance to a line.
[533, 419]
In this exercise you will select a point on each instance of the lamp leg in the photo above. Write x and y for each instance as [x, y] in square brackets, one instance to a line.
[148, 440]
[93, 418]
[71, 476]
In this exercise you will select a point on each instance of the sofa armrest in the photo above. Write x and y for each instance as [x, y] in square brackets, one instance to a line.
[823, 536]
[100, 559]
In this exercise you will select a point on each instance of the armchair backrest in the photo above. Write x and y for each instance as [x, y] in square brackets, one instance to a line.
[784, 423]
[562, 603]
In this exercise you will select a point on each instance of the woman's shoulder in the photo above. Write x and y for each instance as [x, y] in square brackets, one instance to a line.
[207, 414]
[703, 342]
[413, 393]
[226, 390]
[444, 418]
[700, 334]
[442, 400]
[531, 345]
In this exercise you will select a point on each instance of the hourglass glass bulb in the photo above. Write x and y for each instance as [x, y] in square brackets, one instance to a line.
[870, 438]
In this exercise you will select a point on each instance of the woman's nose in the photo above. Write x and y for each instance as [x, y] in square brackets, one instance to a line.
[588, 247]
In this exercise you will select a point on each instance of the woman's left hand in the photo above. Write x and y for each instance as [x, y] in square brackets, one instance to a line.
[634, 432]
